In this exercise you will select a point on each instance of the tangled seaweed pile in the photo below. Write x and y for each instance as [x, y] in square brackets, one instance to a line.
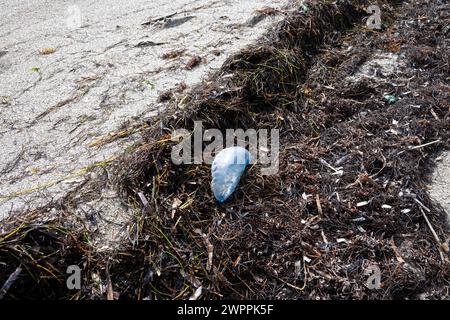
[350, 193]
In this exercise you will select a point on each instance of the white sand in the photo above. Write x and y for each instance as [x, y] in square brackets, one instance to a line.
[440, 186]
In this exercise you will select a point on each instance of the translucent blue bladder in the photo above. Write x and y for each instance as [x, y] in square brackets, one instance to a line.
[226, 170]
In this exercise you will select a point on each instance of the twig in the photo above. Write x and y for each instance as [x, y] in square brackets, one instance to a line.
[420, 146]
[337, 171]
[422, 205]
[424, 145]
[11, 279]
[144, 201]
[436, 237]
[319, 206]
[209, 248]
[293, 286]
[109, 287]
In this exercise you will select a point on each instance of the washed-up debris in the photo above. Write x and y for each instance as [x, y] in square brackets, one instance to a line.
[149, 43]
[172, 23]
[209, 248]
[173, 54]
[46, 51]
[362, 203]
[197, 293]
[36, 69]
[9, 282]
[193, 62]
[216, 52]
[152, 21]
[390, 98]
[226, 171]
[5, 100]
[168, 21]
[169, 94]
[176, 203]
